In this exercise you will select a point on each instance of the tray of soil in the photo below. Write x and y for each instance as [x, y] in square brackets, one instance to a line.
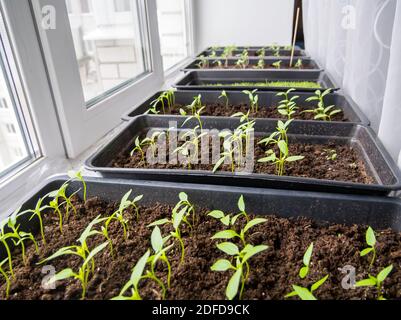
[231, 102]
[252, 53]
[327, 233]
[279, 80]
[298, 64]
[335, 157]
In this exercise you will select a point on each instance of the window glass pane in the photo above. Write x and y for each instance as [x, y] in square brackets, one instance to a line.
[110, 45]
[173, 31]
[15, 144]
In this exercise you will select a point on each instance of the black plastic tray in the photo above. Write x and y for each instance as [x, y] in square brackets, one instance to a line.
[378, 162]
[253, 53]
[266, 98]
[197, 80]
[378, 212]
[310, 64]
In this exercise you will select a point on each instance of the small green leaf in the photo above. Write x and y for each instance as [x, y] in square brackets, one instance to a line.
[159, 222]
[303, 272]
[366, 251]
[308, 255]
[252, 251]
[157, 239]
[229, 248]
[294, 158]
[253, 223]
[319, 283]
[384, 273]
[370, 237]
[177, 218]
[217, 214]
[218, 164]
[138, 269]
[62, 275]
[241, 204]
[291, 294]
[304, 293]
[226, 220]
[233, 284]
[366, 283]
[227, 234]
[221, 265]
[183, 196]
[282, 145]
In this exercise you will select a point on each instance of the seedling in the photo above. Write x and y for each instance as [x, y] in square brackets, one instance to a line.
[139, 145]
[243, 61]
[261, 53]
[371, 242]
[321, 111]
[78, 176]
[376, 281]
[192, 144]
[229, 51]
[151, 142]
[281, 133]
[306, 293]
[225, 97]
[166, 98]
[269, 84]
[275, 49]
[218, 63]
[282, 159]
[6, 278]
[179, 214]
[253, 100]
[287, 107]
[37, 212]
[277, 64]
[88, 266]
[298, 64]
[203, 63]
[261, 64]
[331, 154]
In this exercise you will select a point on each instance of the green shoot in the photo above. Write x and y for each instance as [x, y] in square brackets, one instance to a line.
[281, 133]
[253, 100]
[218, 63]
[331, 154]
[261, 53]
[225, 97]
[376, 281]
[269, 84]
[298, 64]
[321, 111]
[192, 144]
[37, 212]
[151, 142]
[243, 61]
[275, 49]
[166, 98]
[277, 64]
[261, 64]
[6, 278]
[78, 176]
[371, 242]
[303, 272]
[287, 107]
[203, 63]
[139, 145]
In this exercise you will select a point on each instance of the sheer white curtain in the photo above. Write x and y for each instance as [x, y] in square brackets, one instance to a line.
[359, 43]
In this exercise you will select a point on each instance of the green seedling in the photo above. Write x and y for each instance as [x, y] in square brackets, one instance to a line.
[298, 64]
[281, 160]
[277, 64]
[218, 63]
[253, 100]
[376, 281]
[243, 60]
[306, 293]
[167, 98]
[139, 145]
[203, 63]
[371, 242]
[321, 111]
[37, 212]
[261, 64]
[78, 176]
[224, 96]
[88, 266]
[331, 154]
[261, 53]
[281, 133]
[269, 84]
[150, 142]
[275, 49]
[287, 107]
[195, 110]
[6, 278]
[192, 144]
[229, 51]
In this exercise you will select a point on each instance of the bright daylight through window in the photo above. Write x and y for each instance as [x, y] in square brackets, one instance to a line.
[110, 43]
[173, 31]
[15, 144]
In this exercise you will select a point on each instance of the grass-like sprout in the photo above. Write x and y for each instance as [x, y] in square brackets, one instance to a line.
[376, 281]
[277, 64]
[181, 211]
[4, 274]
[88, 266]
[118, 216]
[253, 99]
[287, 107]
[306, 293]
[321, 111]
[241, 266]
[298, 64]
[224, 96]
[203, 63]
[261, 64]
[192, 144]
[371, 242]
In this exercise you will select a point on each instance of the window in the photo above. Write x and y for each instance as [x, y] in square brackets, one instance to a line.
[173, 30]
[110, 49]
[86, 6]
[16, 141]
[122, 5]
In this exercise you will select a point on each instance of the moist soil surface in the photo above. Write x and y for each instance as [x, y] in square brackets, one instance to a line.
[348, 166]
[272, 275]
[221, 110]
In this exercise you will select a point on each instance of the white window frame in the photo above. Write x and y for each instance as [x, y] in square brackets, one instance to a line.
[81, 126]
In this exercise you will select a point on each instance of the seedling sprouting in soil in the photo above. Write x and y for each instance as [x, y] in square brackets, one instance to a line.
[277, 64]
[371, 242]
[166, 98]
[218, 63]
[287, 107]
[151, 142]
[78, 176]
[306, 293]
[37, 212]
[253, 100]
[82, 250]
[275, 49]
[243, 61]
[203, 63]
[139, 145]
[331, 154]
[321, 111]
[225, 97]
[261, 53]
[261, 64]
[4, 274]
[376, 281]
[192, 144]
[241, 257]
[179, 215]
[279, 134]
[298, 64]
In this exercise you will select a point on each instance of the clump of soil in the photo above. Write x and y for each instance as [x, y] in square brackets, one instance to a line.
[273, 272]
[221, 110]
[348, 166]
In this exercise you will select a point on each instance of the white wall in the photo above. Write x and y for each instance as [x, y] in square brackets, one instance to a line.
[242, 22]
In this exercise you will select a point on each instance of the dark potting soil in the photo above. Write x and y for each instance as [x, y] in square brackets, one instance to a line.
[221, 110]
[253, 67]
[272, 275]
[348, 166]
